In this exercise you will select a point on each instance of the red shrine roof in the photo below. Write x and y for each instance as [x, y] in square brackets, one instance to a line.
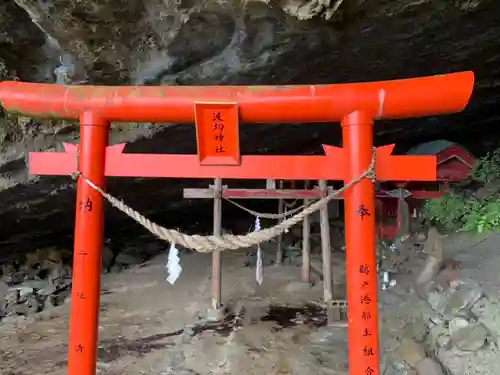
[453, 161]
[431, 148]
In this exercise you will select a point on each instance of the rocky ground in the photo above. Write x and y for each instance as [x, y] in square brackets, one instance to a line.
[445, 325]
[159, 42]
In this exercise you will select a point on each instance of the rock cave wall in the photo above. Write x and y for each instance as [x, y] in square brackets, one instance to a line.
[165, 42]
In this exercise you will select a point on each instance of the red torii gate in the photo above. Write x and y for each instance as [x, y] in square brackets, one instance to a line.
[355, 105]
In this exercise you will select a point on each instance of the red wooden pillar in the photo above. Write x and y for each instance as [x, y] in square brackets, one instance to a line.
[85, 296]
[357, 134]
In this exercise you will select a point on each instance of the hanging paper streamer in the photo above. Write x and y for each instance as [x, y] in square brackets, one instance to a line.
[414, 213]
[258, 271]
[173, 266]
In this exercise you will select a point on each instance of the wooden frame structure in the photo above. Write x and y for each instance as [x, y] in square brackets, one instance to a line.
[217, 192]
[356, 106]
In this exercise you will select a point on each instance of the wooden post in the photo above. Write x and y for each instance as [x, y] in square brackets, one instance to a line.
[216, 262]
[279, 249]
[326, 252]
[306, 249]
[306, 244]
[270, 184]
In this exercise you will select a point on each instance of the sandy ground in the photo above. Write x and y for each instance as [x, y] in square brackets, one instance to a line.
[141, 315]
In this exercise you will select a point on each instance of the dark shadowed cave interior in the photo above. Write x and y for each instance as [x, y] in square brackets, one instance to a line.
[224, 44]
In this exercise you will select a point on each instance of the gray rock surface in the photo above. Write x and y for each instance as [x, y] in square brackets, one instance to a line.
[32, 296]
[429, 366]
[410, 352]
[232, 42]
[127, 260]
[329, 335]
[470, 338]
[298, 287]
[463, 299]
[4, 289]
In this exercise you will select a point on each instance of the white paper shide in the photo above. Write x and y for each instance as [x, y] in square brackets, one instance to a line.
[173, 265]
[258, 271]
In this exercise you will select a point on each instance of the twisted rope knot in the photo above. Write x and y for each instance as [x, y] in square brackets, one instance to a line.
[370, 173]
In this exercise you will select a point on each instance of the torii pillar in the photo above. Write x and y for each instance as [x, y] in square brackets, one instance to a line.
[361, 262]
[355, 105]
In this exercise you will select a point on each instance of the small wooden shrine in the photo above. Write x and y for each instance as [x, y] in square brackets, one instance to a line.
[454, 163]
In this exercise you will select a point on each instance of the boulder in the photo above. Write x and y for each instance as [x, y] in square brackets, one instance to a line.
[60, 276]
[440, 336]
[429, 366]
[12, 297]
[437, 300]
[456, 324]
[36, 284]
[410, 352]
[25, 292]
[462, 300]
[470, 338]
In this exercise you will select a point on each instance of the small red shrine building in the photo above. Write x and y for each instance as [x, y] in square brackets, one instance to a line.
[454, 163]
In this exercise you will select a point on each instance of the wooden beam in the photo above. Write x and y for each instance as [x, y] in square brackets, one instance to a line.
[194, 193]
[279, 242]
[306, 248]
[255, 193]
[326, 252]
[216, 262]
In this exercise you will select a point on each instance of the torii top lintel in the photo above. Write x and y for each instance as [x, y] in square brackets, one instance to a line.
[415, 97]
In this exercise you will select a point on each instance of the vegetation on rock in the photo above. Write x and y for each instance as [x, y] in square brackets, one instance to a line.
[470, 209]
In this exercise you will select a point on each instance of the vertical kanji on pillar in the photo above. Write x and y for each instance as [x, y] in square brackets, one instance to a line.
[85, 295]
[361, 264]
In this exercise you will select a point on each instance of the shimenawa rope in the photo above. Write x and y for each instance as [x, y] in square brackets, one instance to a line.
[206, 244]
[266, 215]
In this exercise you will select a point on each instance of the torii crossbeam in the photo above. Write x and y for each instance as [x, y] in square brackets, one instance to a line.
[356, 106]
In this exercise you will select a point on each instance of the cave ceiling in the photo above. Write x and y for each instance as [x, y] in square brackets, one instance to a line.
[165, 42]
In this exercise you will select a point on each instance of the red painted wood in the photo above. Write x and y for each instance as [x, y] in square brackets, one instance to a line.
[308, 167]
[217, 133]
[415, 97]
[355, 104]
[89, 226]
[361, 260]
[456, 151]
[452, 170]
